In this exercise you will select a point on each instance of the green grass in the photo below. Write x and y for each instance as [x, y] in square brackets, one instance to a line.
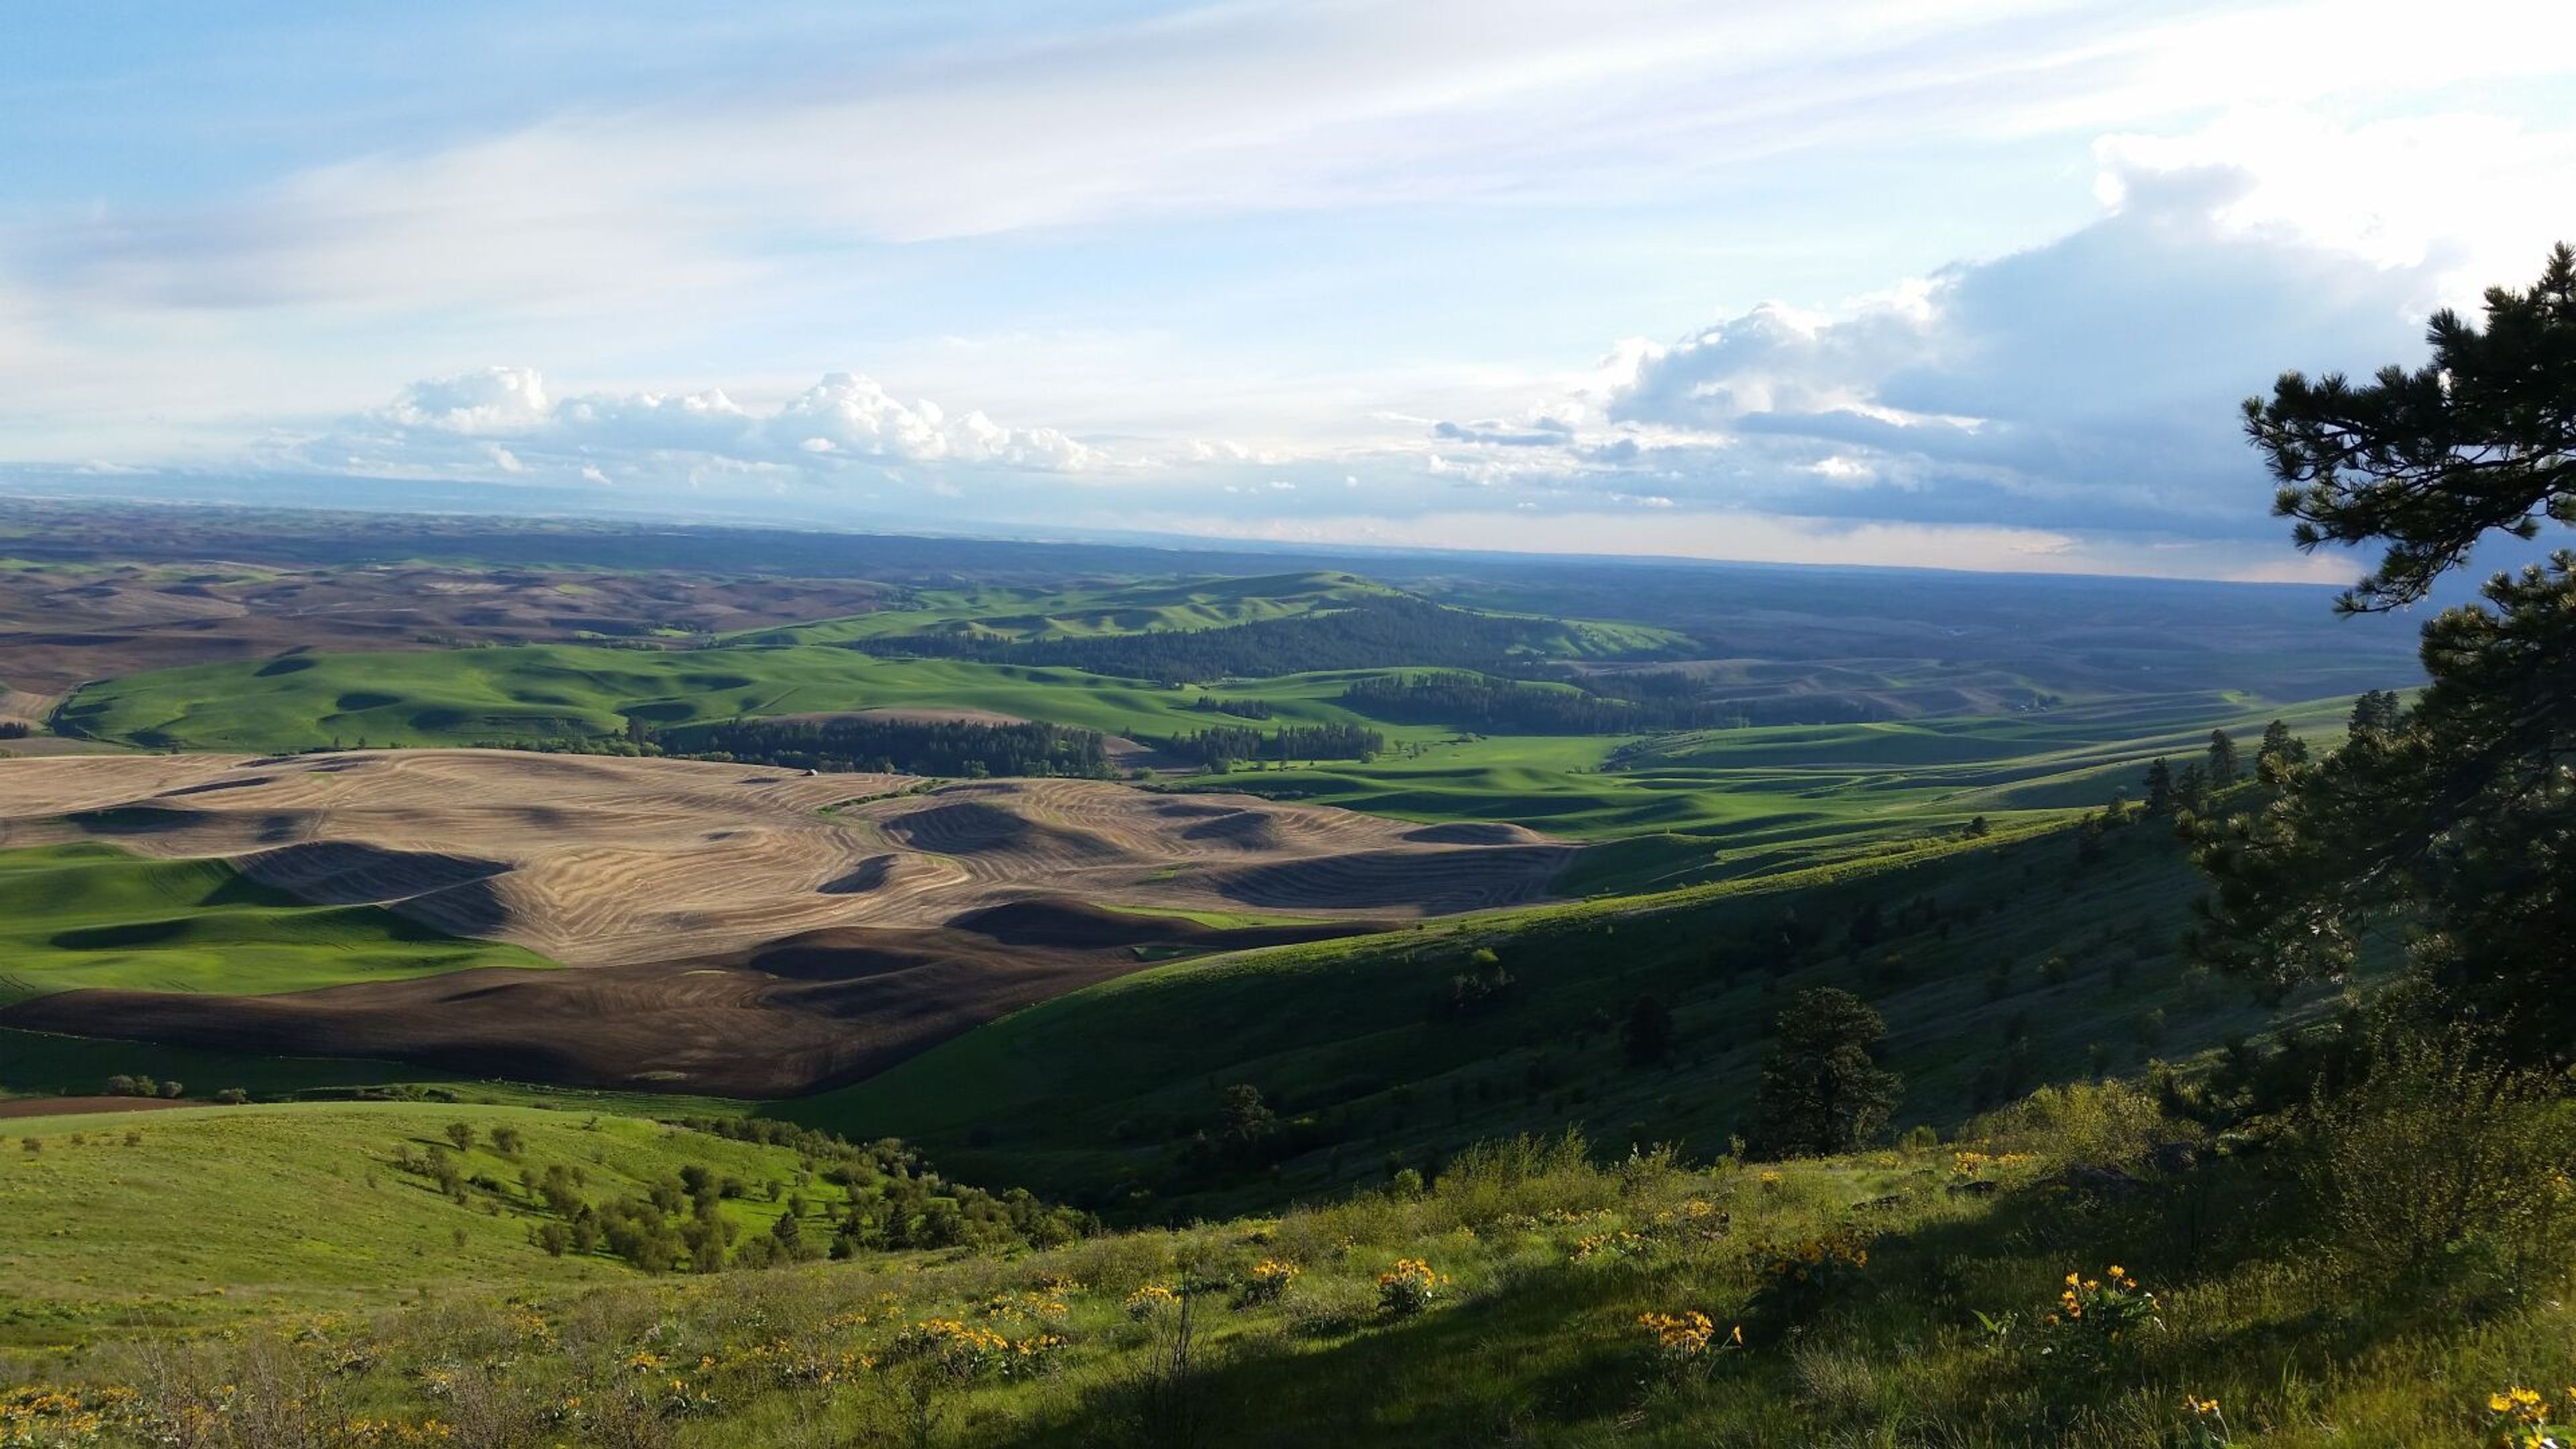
[218, 1213]
[1545, 1262]
[89, 915]
[1081, 613]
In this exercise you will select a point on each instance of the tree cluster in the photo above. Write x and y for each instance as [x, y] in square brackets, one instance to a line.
[1377, 633]
[1222, 747]
[958, 748]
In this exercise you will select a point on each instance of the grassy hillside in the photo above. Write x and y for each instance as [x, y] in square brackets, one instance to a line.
[299, 1207]
[1081, 613]
[1998, 966]
[91, 915]
[1899, 1296]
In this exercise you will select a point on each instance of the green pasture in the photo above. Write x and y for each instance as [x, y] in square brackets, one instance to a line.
[996, 612]
[89, 914]
[297, 1205]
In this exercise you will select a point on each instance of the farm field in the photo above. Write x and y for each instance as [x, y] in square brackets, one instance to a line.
[90, 915]
[1706, 802]
[731, 934]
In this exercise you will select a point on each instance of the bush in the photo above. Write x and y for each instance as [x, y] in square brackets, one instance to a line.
[2086, 1122]
[231, 1097]
[2440, 1154]
[1524, 1176]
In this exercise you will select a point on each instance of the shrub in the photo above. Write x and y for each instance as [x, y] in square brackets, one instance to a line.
[2091, 1122]
[1526, 1176]
[2440, 1155]
[231, 1097]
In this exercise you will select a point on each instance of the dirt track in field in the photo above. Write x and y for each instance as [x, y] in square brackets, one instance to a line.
[728, 934]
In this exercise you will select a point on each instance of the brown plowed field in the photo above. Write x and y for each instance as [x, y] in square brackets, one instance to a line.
[102, 621]
[730, 936]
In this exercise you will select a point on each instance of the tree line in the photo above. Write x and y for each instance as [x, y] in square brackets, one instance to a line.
[967, 748]
[1222, 747]
[1376, 633]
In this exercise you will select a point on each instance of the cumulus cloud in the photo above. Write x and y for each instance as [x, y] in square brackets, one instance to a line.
[500, 420]
[2090, 382]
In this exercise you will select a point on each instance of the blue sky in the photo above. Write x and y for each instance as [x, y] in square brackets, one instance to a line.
[1972, 283]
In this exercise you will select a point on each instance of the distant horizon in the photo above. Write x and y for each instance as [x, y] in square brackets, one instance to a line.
[658, 514]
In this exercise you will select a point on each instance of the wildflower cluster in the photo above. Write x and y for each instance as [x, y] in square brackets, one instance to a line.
[1697, 1218]
[1268, 1281]
[2095, 1315]
[1971, 1163]
[2523, 1419]
[1802, 1274]
[36, 1415]
[372, 1432]
[1684, 1339]
[1022, 1307]
[1408, 1287]
[2208, 1422]
[789, 1365]
[1607, 1245]
[966, 1351]
[1817, 1258]
[1151, 1299]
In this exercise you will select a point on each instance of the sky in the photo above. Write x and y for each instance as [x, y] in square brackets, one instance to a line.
[1963, 283]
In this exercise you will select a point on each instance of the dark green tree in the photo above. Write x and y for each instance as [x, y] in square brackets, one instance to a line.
[1822, 1087]
[1245, 1123]
[2160, 788]
[2457, 819]
[2279, 749]
[2377, 711]
[2191, 788]
[2222, 759]
[1646, 1034]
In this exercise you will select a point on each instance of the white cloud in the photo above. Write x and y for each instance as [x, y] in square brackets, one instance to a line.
[492, 400]
[2088, 382]
[501, 420]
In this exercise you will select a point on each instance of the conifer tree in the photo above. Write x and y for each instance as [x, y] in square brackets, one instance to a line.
[1822, 1087]
[2160, 788]
[2222, 759]
[2456, 818]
